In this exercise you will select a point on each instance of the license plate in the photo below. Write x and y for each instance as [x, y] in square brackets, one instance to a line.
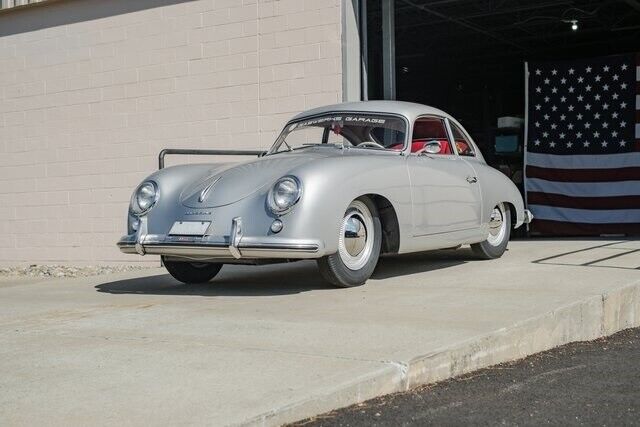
[189, 228]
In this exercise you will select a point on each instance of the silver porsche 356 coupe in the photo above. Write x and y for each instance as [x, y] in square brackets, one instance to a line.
[342, 184]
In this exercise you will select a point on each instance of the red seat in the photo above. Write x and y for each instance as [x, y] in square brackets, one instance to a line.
[419, 144]
[429, 130]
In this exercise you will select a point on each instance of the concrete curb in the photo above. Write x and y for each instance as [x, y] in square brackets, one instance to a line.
[588, 319]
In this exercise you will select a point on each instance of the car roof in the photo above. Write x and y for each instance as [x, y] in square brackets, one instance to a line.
[410, 110]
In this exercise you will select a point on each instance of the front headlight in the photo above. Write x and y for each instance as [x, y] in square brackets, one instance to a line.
[284, 194]
[144, 197]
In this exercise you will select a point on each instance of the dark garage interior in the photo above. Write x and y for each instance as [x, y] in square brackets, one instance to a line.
[470, 58]
[467, 57]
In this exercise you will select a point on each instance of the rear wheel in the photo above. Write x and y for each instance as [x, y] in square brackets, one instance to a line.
[192, 272]
[359, 245]
[499, 232]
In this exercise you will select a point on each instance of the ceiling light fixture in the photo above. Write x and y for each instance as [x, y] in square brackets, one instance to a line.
[573, 22]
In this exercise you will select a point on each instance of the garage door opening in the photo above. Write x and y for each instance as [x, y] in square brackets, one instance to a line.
[468, 57]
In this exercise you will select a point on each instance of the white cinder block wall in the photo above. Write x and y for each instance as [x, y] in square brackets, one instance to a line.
[91, 90]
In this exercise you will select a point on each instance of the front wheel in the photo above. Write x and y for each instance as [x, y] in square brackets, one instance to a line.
[499, 232]
[359, 245]
[192, 272]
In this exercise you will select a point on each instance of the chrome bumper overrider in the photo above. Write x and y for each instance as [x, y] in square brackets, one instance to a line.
[528, 216]
[234, 246]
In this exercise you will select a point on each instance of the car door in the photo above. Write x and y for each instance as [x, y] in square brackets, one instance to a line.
[444, 188]
[468, 152]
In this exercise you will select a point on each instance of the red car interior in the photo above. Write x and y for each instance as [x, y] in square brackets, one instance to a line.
[425, 131]
[463, 148]
[418, 145]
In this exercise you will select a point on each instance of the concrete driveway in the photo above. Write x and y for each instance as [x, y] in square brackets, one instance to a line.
[271, 344]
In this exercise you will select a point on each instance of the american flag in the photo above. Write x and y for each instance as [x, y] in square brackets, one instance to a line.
[582, 165]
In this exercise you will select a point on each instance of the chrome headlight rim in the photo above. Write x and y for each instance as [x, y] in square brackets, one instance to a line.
[135, 208]
[273, 207]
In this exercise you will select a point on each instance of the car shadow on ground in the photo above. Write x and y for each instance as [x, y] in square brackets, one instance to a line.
[420, 262]
[270, 280]
[280, 279]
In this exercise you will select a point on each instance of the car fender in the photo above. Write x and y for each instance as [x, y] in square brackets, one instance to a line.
[331, 184]
[498, 188]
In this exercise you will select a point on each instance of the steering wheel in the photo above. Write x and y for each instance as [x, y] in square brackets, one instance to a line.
[370, 144]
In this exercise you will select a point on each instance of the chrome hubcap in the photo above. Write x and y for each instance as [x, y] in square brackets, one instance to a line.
[495, 222]
[355, 243]
[497, 226]
[355, 235]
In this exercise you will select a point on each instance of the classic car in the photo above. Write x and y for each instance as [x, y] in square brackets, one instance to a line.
[342, 184]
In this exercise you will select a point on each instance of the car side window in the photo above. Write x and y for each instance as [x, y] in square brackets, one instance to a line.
[430, 137]
[463, 145]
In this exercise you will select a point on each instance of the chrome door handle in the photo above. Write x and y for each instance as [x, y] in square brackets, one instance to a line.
[472, 179]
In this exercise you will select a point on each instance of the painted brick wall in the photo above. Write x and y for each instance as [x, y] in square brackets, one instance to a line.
[91, 90]
[6, 4]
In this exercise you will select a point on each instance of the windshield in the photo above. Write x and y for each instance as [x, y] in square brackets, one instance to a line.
[368, 131]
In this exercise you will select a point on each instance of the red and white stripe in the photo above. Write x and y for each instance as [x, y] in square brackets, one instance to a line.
[587, 194]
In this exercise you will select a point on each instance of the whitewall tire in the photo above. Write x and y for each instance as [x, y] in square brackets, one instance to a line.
[499, 233]
[359, 242]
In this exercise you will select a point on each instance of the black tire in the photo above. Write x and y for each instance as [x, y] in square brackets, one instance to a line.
[332, 267]
[191, 273]
[492, 250]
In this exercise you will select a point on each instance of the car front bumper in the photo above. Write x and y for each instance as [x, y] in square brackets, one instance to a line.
[233, 247]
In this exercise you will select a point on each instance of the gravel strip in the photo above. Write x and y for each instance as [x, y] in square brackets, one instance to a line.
[37, 270]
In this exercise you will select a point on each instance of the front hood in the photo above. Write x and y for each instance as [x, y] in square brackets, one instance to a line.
[236, 182]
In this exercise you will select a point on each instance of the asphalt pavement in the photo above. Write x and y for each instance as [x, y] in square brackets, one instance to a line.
[586, 383]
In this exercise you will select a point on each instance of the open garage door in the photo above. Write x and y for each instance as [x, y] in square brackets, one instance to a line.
[467, 58]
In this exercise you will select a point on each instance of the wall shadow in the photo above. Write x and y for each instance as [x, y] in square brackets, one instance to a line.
[63, 12]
